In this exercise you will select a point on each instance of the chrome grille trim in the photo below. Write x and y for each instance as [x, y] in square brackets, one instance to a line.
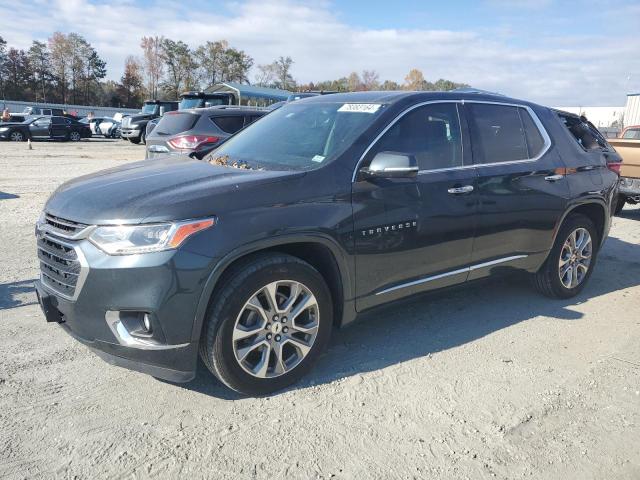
[61, 227]
[58, 277]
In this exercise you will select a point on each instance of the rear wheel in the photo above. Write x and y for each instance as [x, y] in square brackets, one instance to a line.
[268, 324]
[17, 136]
[75, 136]
[571, 260]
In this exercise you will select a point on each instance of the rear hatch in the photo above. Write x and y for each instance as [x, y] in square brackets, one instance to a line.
[169, 127]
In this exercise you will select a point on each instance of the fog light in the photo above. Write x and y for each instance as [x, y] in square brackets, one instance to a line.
[147, 323]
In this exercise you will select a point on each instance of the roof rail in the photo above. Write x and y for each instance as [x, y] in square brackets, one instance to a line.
[476, 90]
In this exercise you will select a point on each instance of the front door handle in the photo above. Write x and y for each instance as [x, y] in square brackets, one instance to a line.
[460, 190]
[554, 178]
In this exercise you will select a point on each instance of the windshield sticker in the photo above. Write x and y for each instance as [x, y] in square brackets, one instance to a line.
[360, 107]
[317, 158]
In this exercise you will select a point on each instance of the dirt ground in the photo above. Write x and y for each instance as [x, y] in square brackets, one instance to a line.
[489, 381]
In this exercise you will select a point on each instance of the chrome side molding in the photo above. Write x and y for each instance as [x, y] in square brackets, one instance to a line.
[453, 272]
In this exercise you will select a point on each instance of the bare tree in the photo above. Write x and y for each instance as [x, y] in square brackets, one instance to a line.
[153, 65]
[131, 82]
[370, 80]
[414, 80]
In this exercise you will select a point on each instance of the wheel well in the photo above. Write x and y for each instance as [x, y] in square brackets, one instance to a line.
[317, 255]
[595, 212]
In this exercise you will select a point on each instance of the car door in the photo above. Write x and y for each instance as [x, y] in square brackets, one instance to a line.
[416, 234]
[522, 191]
[40, 127]
[59, 127]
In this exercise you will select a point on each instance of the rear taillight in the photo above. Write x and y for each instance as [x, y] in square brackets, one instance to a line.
[614, 167]
[191, 142]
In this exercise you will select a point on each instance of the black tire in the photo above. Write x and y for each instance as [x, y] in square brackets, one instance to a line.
[547, 279]
[619, 205]
[17, 136]
[74, 136]
[134, 140]
[216, 344]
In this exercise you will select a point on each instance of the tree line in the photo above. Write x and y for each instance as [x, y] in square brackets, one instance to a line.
[67, 69]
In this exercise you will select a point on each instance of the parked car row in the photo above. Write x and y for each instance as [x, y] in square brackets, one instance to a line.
[46, 127]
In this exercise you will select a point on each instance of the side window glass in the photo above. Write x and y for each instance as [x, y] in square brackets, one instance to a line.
[431, 133]
[497, 133]
[535, 142]
[632, 134]
[584, 133]
[57, 121]
[230, 124]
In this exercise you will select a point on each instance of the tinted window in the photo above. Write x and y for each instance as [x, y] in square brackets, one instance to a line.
[535, 142]
[58, 120]
[173, 123]
[430, 133]
[229, 124]
[632, 133]
[251, 119]
[497, 133]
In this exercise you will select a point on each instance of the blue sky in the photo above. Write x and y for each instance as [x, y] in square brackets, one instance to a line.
[555, 52]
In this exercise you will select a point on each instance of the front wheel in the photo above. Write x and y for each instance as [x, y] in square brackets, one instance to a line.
[135, 140]
[267, 325]
[17, 136]
[571, 260]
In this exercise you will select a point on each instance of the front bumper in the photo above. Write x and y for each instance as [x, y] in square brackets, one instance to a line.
[629, 187]
[119, 290]
[130, 133]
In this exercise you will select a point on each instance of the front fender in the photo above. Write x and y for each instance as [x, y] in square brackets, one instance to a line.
[341, 257]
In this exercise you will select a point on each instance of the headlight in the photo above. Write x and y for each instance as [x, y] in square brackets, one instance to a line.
[130, 239]
[4, 129]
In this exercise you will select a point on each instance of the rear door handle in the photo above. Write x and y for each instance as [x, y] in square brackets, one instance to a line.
[554, 178]
[460, 190]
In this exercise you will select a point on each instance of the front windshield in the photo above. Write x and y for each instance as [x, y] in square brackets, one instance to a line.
[190, 103]
[149, 108]
[299, 136]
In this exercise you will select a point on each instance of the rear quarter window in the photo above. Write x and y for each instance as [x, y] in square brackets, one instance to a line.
[229, 124]
[632, 134]
[584, 133]
[173, 123]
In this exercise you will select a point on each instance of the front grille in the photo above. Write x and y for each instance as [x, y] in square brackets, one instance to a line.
[126, 121]
[62, 226]
[60, 267]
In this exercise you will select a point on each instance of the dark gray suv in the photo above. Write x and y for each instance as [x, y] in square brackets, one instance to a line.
[322, 209]
[197, 131]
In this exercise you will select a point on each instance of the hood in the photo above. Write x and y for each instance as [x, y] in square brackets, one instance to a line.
[171, 188]
[139, 117]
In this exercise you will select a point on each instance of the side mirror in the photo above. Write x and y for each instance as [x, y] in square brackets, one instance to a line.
[391, 165]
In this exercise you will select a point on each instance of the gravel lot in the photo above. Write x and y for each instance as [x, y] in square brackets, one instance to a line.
[493, 381]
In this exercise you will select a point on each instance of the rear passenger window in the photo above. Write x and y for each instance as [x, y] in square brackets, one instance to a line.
[497, 133]
[229, 124]
[250, 120]
[430, 133]
[535, 142]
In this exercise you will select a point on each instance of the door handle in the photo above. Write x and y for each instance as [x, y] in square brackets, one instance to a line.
[460, 190]
[554, 178]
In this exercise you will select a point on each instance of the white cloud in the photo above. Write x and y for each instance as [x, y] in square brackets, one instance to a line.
[564, 70]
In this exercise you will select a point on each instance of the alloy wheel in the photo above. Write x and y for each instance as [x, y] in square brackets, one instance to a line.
[575, 258]
[16, 137]
[74, 136]
[276, 329]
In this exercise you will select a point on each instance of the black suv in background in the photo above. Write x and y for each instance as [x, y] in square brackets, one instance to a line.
[324, 208]
[133, 127]
[198, 131]
[54, 128]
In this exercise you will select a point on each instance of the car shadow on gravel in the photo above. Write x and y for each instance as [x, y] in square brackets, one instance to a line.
[17, 294]
[438, 321]
[8, 196]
